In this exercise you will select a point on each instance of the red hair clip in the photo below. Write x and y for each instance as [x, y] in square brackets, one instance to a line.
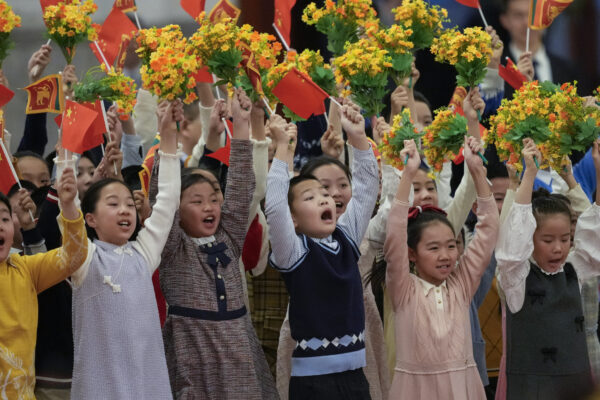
[414, 212]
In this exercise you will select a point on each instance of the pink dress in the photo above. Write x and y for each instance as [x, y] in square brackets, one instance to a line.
[434, 358]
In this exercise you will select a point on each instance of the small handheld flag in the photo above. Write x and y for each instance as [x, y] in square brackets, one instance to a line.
[125, 5]
[8, 176]
[511, 74]
[543, 12]
[300, 94]
[114, 36]
[193, 7]
[283, 19]
[6, 95]
[76, 122]
[224, 9]
[45, 95]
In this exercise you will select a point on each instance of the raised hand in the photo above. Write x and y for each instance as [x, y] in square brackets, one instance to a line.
[216, 126]
[67, 192]
[142, 204]
[354, 125]
[25, 209]
[414, 160]
[497, 48]
[525, 65]
[472, 149]
[114, 124]
[532, 155]
[38, 62]
[167, 125]
[241, 107]
[473, 105]
[332, 144]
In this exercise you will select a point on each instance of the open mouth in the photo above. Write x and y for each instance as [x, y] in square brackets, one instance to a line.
[327, 216]
[339, 205]
[1, 241]
[444, 267]
[125, 223]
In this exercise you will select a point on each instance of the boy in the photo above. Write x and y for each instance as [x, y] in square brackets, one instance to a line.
[318, 259]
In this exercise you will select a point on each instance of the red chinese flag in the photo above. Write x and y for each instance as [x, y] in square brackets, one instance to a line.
[283, 18]
[6, 95]
[45, 95]
[224, 9]
[125, 5]
[8, 177]
[203, 75]
[469, 3]
[114, 36]
[98, 127]
[224, 152]
[76, 124]
[251, 68]
[252, 245]
[511, 74]
[543, 12]
[193, 7]
[300, 94]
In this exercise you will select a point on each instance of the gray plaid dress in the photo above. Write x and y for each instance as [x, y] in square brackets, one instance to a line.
[211, 347]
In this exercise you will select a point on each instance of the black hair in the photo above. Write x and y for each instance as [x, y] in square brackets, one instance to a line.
[4, 199]
[27, 153]
[131, 177]
[421, 97]
[543, 203]
[27, 185]
[420, 222]
[90, 199]
[315, 163]
[189, 180]
[496, 170]
[296, 181]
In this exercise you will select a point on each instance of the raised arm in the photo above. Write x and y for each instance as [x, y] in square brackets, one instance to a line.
[515, 241]
[152, 238]
[286, 247]
[397, 277]
[365, 185]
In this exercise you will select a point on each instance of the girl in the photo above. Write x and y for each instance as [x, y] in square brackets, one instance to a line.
[119, 353]
[22, 278]
[212, 349]
[546, 353]
[434, 358]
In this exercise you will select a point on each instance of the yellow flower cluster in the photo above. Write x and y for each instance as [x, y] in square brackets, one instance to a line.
[425, 21]
[125, 91]
[305, 62]
[8, 19]
[395, 39]
[265, 46]
[359, 11]
[446, 123]
[556, 118]
[392, 142]
[212, 40]
[472, 44]
[342, 21]
[364, 57]
[168, 64]
[69, 23]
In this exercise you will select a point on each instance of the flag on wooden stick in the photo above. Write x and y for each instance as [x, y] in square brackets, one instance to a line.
[543, 12]
[45, 95]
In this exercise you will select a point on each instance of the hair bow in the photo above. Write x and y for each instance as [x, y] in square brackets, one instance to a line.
[414, 212]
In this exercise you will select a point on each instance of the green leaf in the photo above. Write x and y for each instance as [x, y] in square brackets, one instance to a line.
[292, 116]
[532, 127]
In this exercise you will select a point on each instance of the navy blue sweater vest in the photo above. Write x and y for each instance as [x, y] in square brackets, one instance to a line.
[327, 317]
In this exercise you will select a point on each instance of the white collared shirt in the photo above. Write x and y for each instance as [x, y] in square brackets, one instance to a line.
[204, 240]
[543, 69]
[437, 291]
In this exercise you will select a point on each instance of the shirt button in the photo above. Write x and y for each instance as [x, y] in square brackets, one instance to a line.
[209, 244]
[439, 302]
[217, 259]
[222, 297]
[219, 276]
[437, 290]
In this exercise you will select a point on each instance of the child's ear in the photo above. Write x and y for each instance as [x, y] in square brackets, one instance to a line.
[295, 221]
[90, 219]
[412, 255]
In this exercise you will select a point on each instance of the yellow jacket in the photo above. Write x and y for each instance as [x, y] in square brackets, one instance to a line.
[21, 279]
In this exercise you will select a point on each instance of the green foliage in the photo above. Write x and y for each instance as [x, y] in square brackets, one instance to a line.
[401, 67]
[368, 92]
[224, 64]
[533, 127]
[325, 79]
[338, 31]
[451, 137]
[470, 73]
[6, 44]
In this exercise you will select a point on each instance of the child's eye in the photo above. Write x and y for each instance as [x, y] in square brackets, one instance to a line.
[344, 185]
[5, 219]
[325, 186]
[309, 198]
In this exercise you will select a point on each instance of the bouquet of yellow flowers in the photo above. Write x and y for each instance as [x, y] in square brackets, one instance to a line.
[443, 139]
[396, 40]
[167, 63]
[8, 21]
[393, 141]
[69, 23]
[113, 86]
[216, 46]
[468, 51]
[342, 21]
[424, 20]
[310, 62]
[364, 68]
[261, 51]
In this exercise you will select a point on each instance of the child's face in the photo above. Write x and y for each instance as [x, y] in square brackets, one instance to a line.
[436, 253]
[200, 210]
[334, 179]
[552, 241]
[85, 172]
[425, 191]
[6, 231]
[499, 188]
[208, 175]
[313, 209]
[17, 241]
[33, 170]
[114, 216]
[424, 116]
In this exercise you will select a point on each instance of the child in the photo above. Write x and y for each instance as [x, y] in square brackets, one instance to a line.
[434, 358]
[22, 278]
[546, 353]
[119, 352]
[212, 349]
[318, 257]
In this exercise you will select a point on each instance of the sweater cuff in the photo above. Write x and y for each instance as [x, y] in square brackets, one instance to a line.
[32, 236]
